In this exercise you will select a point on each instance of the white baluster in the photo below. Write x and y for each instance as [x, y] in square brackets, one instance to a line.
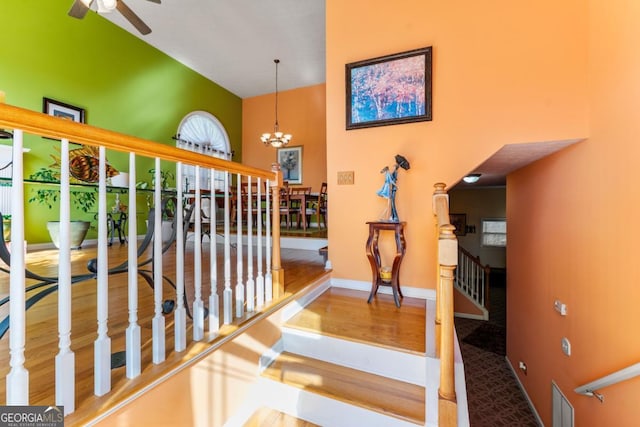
[239, 283]
[214, 310]
[18, 378]
[102, 345]
[158, 323]
[198, 305]
[260, 277]
[65, 359]
[180, 314]
[251, 286]
[133, 330]
[268, 279]
[227, 294]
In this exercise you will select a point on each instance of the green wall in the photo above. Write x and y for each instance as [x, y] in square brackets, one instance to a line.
[123, 83]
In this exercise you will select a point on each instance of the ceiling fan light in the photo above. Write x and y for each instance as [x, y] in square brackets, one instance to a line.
[106, 6]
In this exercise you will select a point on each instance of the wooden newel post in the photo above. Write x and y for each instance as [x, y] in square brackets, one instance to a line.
[440, 208]
[447, 259]
[276, 268]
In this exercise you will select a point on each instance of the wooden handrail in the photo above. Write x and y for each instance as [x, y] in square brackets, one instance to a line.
[37, 123]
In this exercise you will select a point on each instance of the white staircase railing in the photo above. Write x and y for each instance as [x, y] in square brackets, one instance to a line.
[22, 121]
[472, 278]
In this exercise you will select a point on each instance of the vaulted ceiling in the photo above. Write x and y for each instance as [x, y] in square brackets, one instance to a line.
[234, 42]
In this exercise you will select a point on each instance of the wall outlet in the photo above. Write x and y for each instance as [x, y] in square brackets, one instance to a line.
[523, 367]
[345, 178]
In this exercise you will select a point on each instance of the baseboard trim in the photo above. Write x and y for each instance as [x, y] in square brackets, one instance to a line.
[471, 316]
[526, 395]
[407, 291]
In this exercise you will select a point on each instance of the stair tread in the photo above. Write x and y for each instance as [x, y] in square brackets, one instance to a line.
[380, 323]
[385, 395]
[270, 417]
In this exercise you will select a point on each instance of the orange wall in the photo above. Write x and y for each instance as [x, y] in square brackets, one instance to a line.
[504, 73]
[301, 112]
[570, 239]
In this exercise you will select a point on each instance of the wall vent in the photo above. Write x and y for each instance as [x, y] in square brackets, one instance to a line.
[561, 407]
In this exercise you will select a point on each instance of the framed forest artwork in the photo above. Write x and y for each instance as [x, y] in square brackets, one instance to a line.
[389, 90]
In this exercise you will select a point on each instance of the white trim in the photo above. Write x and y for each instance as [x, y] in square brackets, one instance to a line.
[471, 316]
[397, 364]
[524, 391]
[407, 291]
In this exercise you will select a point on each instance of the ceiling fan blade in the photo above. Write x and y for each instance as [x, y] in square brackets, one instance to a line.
[132, 17]
[79, 9]
[154, 1]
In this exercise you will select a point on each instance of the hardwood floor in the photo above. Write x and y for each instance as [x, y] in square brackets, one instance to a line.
[344, 313]
[300, 267]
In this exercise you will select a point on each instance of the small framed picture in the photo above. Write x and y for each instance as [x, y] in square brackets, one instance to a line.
[62, 110]
[459, 221]
[290, 159]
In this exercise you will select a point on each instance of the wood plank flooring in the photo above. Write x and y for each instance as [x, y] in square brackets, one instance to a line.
[301, 267]
[384, 395]
[344, 313]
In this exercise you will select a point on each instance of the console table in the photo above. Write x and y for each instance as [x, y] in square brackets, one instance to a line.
[375, 227]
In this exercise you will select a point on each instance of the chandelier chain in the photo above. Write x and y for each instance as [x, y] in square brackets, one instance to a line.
[277, 139]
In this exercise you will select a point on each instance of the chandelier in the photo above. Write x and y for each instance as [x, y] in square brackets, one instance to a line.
[277, 139]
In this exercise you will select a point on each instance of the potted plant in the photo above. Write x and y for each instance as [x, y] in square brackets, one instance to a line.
[83, 201]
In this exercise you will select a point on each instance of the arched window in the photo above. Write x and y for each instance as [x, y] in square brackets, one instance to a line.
[202, 132]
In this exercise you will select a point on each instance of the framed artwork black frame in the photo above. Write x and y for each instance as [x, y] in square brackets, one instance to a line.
[389, 90]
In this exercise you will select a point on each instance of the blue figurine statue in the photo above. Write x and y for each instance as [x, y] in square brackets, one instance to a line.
[390, 187]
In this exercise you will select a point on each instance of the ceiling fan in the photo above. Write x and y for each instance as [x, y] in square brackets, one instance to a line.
[80, 7]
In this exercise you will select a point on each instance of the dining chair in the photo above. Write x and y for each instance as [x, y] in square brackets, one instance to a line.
[318, 208]
[299, 197]
[287, 209]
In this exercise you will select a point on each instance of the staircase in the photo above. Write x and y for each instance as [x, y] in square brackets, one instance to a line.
[343, 362]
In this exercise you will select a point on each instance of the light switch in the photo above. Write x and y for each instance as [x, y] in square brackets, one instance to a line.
[345, 178]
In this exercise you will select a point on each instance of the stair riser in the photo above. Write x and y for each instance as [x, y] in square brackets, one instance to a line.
[322, 410]
[398, 365]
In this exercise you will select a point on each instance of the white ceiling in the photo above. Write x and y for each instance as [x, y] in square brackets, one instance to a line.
[234, 42]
